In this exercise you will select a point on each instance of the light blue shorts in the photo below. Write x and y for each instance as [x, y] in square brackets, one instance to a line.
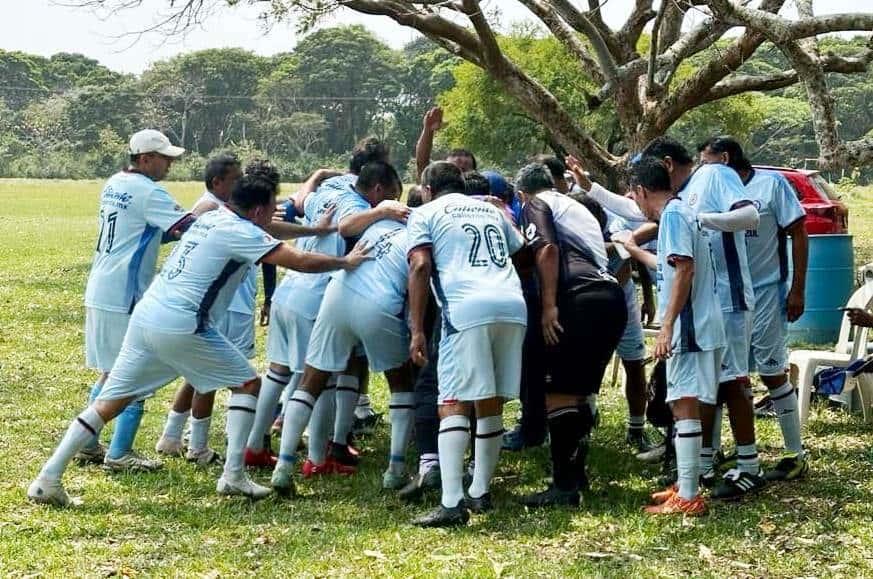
[239, 328]
[480, 362]
[632, 345]
[104, 334]
[694, 375]
[347, 319]
[288, 337]
[738, 332]
[769, 352]
[150, 359]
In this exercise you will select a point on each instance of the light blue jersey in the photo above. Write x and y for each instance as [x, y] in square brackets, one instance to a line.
[699, 326]
[382, 279]
[717, 189]
[134, 213]
[778, 208]
[202, 273]
[303, 291]
[474, 280]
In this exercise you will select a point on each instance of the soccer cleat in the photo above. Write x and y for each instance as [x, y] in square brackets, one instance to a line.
[639, 441]
[676, 505]
[479, 505]
[282, 481]
[737, 484]
[343, 456]
[791, 467]
[95, 454]
[663, 496]
[169, 446]
[244, 486]
[724, 462]
[262, 458]
[132, 461]
[444, 517]
[366, 425]
[310, 469]
[513, 441]
[392, 481]
[204, 457]
[430, 480]
[764, 408]
[652, 455]
[708, 479]
[551, 497]
[46, 492]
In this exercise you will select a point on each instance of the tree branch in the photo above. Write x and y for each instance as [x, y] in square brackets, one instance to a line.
[581, 24]
[630, 33]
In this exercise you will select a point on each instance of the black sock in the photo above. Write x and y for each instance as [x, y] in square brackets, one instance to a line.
[565, 430]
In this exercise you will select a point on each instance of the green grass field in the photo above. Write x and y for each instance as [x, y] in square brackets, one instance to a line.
[172, 523]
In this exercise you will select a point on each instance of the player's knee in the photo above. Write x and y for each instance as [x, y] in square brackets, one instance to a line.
[252, 387]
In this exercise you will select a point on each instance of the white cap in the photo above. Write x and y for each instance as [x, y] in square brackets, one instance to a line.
[152, 141]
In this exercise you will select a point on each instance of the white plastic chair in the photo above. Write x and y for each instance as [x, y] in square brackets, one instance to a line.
[851, 345]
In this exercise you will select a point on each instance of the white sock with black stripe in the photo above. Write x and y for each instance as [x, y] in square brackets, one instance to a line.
[454, 436]
[84, 428]
[401, 411]
[240, 416]
[321, 422]
[298, 409]
[785, 401]
[489, 439]
[747, 459]
[272, 385]
[688, 442]
[347, 390]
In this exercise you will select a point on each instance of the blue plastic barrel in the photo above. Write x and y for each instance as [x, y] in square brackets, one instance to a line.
[829, 285]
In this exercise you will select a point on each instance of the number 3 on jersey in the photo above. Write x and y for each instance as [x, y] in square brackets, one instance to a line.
[493, 243]
[180, 253]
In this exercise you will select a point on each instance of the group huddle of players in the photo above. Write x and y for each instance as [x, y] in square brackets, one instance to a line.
[471, 293]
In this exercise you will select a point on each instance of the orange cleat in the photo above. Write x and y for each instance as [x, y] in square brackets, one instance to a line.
[676, 505]
[663, 496]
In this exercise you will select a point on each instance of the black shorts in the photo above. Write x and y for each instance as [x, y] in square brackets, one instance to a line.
[593, 318]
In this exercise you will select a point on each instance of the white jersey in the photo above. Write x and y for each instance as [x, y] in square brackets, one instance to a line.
[717, 188]
[473, 279]
[202, 273]
[699, 326]
[245, 298]
[778, 208]
[302, 292]
[382, 279]
[134, 213]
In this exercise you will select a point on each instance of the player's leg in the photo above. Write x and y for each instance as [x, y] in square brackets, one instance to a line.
[201, 419]
[401, 412]
[320, 429]
[348, 385]
[170, 442]
[631, 350]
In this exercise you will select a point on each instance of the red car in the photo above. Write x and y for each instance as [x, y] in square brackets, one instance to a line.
[825, 213]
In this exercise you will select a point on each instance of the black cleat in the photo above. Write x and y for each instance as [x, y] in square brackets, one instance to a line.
[789, 468]
[708, 479]
[367, 425]
[639, 441]
[341, 454]
[479, 505]
[421, 483]
[737, 484]
[552, 496]
[444, 517]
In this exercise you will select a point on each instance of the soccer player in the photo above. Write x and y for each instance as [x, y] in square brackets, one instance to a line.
[465, 246]
[362, 307]
[692, 333]
[583, 317]
[433, 122]
[172, 332]
[777, 303]
[136, 216]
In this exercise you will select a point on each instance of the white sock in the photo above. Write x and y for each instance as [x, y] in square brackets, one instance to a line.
[706, 454]
[401, 411]
[199, 440]
[272, 385]
[427, 461]
[241, 410]
[175, 424]
[322, 421]
[688, 441]
[347, 389]
[298, 409]
[489, 439]
[81, 431]
[636, 423]
[363, 408]
[716, 428]
[454, 436]
[747, 459]
[785, 400]
[591, 400]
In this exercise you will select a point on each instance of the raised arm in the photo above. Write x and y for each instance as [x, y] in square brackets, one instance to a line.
[433, 121]
[420, 267]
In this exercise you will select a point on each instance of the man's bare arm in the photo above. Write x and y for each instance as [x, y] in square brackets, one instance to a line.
[308, 262]
[420, 267]
[433, 121]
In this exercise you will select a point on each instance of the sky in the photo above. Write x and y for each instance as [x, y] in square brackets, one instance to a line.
[46, 27]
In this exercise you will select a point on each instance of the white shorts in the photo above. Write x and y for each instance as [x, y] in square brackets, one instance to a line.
[632, 345]
[150, 359]
[694, 375]
[288, 337]
[769, 352]
[480, 362]
[738, 332]
[104, 334]
[239, 328]
[347, 319]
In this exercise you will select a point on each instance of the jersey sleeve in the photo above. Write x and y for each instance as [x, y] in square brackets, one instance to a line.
[162, 211]
[350, 204]
[786, 205]
[418, 232]
[251, 243]
[539, 224]
[678, 236]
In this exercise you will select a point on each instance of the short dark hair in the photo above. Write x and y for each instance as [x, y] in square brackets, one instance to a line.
[724, 144]
[533, 178]
[377, 173]
[556, 166]
[475, 183]
[463, 153]
[266, 169]
[651, 173]
[443, 177]
[366, 151]
[252, 191]
[413, 197]
[662, 147]
[218, 166]
[595, 208]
